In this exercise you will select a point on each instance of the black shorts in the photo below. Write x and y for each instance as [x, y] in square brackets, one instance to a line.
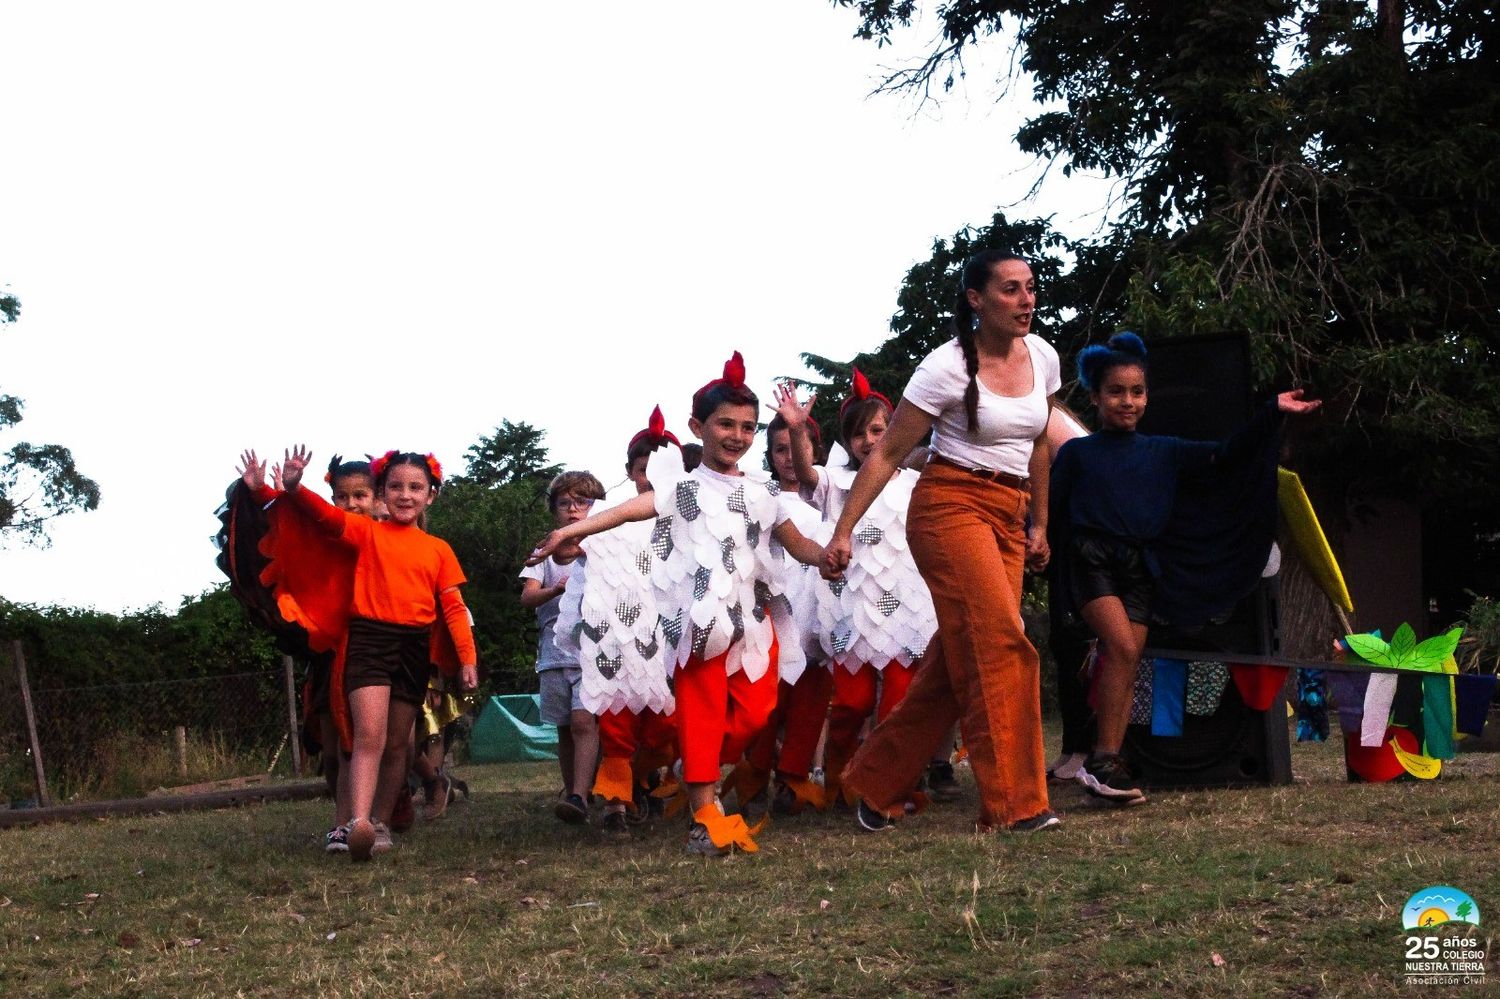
[388, 655]
[1109, 567]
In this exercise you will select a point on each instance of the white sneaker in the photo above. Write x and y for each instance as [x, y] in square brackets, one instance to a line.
[1067, 767]
[383, 842]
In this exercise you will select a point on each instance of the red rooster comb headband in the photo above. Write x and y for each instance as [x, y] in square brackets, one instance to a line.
[656, 433]
[434, 469]
[734, 374]
[860, 392]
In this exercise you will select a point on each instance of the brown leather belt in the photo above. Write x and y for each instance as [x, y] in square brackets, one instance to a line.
[989, 475]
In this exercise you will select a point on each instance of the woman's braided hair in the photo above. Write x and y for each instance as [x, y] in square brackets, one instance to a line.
[975, 275]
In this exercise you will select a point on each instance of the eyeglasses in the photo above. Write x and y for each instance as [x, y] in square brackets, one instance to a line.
[574, 504]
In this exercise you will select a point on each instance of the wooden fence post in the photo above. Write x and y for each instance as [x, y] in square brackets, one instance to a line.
[293, 734]
[179, 747]
[43, 800]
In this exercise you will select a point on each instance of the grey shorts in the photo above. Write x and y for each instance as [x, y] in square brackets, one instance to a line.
[561, 695]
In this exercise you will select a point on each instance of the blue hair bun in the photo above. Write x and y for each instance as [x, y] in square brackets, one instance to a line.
[1089, 360]
[1127, 342]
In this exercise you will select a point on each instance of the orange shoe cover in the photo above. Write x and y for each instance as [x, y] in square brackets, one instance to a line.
[727, 830]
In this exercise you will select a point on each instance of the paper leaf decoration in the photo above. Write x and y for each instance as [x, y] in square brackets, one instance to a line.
[1403, 652]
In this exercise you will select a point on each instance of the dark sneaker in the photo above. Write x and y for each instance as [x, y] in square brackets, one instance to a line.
[871, 819]
[699, 844]
[571, 808]
[337, 840]
[361, 838]
[785, 800]
[438, 793]
[1105, 776]
[941, 784]
[755, 809]
[616, 824]
[642, 810]
[1046, 820]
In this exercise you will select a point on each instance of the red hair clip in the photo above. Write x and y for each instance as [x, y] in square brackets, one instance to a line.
[860, 392]
[378, 465]
[656, 432]
[734, 374]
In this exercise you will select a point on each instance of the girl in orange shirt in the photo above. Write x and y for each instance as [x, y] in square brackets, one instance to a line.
[403, 577]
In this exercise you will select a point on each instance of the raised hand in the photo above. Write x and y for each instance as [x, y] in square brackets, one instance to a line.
[252, 471]
[276, 476]
[292, 464]
[1293, 404]
[795, 414]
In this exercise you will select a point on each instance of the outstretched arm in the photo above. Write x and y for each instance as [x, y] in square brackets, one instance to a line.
[798, 545]
[797, 416]
[642, 507]
[909, 427]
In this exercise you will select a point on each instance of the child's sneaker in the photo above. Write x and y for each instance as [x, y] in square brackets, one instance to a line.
[361, 838]
[1105, 776]
[437, 798]
[755, 809]
[404, 814]
[941, 784]
[571, 808]
[699, 844]
[383, 842]
[336, 840]
[616, 825]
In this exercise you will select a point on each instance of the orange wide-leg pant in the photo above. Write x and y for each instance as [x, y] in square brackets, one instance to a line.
[968, 538]
[718, 714]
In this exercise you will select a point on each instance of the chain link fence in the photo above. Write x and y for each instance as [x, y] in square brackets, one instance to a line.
[133, 739]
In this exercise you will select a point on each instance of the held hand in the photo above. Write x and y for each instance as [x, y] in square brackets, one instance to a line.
[1293, 404]
[252, 472]
[836, 556]
[794, 413]
[292, 464]
[468, 677]
[1038, 553]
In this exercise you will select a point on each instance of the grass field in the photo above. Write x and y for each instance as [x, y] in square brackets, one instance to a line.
[1286, 890]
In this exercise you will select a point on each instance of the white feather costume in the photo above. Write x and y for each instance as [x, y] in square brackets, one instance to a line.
[796, 610]
[881, 610]
[714, 574]
[608, 620]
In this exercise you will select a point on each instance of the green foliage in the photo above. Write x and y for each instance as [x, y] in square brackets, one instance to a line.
[514, 452]
[37, 481]
[1318, 173]
[493, 516]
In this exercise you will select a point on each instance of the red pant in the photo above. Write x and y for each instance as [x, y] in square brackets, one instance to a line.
[622, 734]
[718, 714]
[802, 708]
[853, 702]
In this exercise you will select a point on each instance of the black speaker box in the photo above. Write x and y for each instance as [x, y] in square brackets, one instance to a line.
[1200, 388]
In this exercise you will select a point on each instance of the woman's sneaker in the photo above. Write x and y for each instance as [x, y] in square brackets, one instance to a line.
[1105, 776]
[872, 819]
[1046, 820]
[336, 840]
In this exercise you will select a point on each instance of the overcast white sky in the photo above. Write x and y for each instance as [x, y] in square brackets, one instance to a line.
[367, 226]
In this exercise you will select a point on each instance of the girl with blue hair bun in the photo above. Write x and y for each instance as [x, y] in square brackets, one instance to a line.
[1111, 501]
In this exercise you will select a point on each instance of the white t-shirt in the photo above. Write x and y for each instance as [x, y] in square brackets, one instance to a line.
[1007, 424]
[549, 574]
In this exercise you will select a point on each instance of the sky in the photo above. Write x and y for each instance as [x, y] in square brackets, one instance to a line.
[372, 226]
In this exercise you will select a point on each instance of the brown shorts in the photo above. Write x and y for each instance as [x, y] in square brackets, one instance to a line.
[388, 655]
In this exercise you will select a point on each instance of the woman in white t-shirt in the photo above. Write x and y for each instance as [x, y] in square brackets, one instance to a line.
[984, 397]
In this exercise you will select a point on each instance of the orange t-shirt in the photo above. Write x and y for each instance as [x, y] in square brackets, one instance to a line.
[400, 570]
